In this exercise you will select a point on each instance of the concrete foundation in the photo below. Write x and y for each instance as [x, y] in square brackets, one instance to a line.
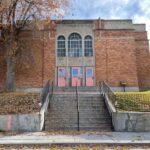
[126, 89]
[38, 90]
[131, 121]
[20, 123]
[33, 122]
[128, 121]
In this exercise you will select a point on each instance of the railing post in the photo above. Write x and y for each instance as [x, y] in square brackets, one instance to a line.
[102, 88]
[52, 88]
[78, 106]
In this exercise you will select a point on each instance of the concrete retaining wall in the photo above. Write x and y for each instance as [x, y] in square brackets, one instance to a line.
[128, 121]
[20, 122]
[24, 122]
[131, 121]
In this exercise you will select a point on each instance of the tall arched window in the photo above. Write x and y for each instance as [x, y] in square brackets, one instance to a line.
[61, 48]
[88, 46]
[75, 45]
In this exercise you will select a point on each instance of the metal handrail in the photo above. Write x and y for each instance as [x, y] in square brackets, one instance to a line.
[127, 102]
[78, 111]
[51, 92]
[45, 92]
[106, 90]
[52, 88]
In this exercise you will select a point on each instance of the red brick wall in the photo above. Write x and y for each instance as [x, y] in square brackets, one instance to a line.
[121, 55]
[143, 59]
[36, 65]
[115, 57]
[29, 66]
[42, 67]
[2, 68]
[49, 56]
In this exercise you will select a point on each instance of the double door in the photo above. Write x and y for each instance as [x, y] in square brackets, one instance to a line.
[72, 76]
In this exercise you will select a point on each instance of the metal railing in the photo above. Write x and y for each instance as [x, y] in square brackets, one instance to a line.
[105, 89]
[78, 111]
[125, 101]
[45, 91]
[52, 89]
[48, 89]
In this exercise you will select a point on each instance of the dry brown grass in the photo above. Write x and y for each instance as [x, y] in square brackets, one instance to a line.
[74, 147]
[19, 103]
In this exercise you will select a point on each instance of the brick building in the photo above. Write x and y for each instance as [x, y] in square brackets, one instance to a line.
[85, 52]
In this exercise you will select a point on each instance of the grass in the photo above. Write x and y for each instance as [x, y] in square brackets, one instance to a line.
[136, 93]
[133, 101]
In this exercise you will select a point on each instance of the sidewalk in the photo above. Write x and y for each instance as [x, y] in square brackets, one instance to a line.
[86, 138]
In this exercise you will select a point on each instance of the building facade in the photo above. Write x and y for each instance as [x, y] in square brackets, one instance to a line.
[83, 53]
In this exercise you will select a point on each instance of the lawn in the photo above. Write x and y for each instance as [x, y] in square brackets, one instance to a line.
[19, 103]
[133, 101]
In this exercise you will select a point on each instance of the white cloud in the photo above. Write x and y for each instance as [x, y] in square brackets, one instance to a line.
[138, 10]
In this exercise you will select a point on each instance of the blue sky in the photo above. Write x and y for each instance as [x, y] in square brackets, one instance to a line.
[138, 10]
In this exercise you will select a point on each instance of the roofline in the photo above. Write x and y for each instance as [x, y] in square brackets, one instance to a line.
[92, 19]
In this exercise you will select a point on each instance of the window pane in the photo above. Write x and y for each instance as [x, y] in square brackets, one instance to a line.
[88, 46]
[81, 72]
[89, 73]
[61, 51]
[68, 72]
[75, 45]
[75, 73]
[61, 73]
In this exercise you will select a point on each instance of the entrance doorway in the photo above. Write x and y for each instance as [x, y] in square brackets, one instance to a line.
[72, 76]
[89, 76]
[61, 76]
[76, 76]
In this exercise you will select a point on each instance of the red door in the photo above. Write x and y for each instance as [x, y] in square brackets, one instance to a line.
[76, 80]
[89, 76]
[61, 76]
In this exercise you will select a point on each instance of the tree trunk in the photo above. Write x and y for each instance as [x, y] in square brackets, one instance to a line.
[10, 74]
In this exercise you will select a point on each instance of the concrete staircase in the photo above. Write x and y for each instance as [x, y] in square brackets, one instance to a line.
[62, 114]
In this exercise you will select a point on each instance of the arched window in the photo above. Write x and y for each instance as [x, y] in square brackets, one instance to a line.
[75, 45]
[61, 48]
[88, 46]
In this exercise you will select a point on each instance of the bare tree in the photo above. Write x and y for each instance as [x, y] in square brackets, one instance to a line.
[16, 15]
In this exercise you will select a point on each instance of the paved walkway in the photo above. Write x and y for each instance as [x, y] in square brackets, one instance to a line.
[86, 138]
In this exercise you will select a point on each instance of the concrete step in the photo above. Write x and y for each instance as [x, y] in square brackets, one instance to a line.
[66, 121]
[93, 110]
[82, 113]
[48, 128]
[56, 125]
[61, 123]
[108, 129]
[96, 128]
[75, 127]
[61, 98]
[75, 116]
[73, 89]
[89, 95]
